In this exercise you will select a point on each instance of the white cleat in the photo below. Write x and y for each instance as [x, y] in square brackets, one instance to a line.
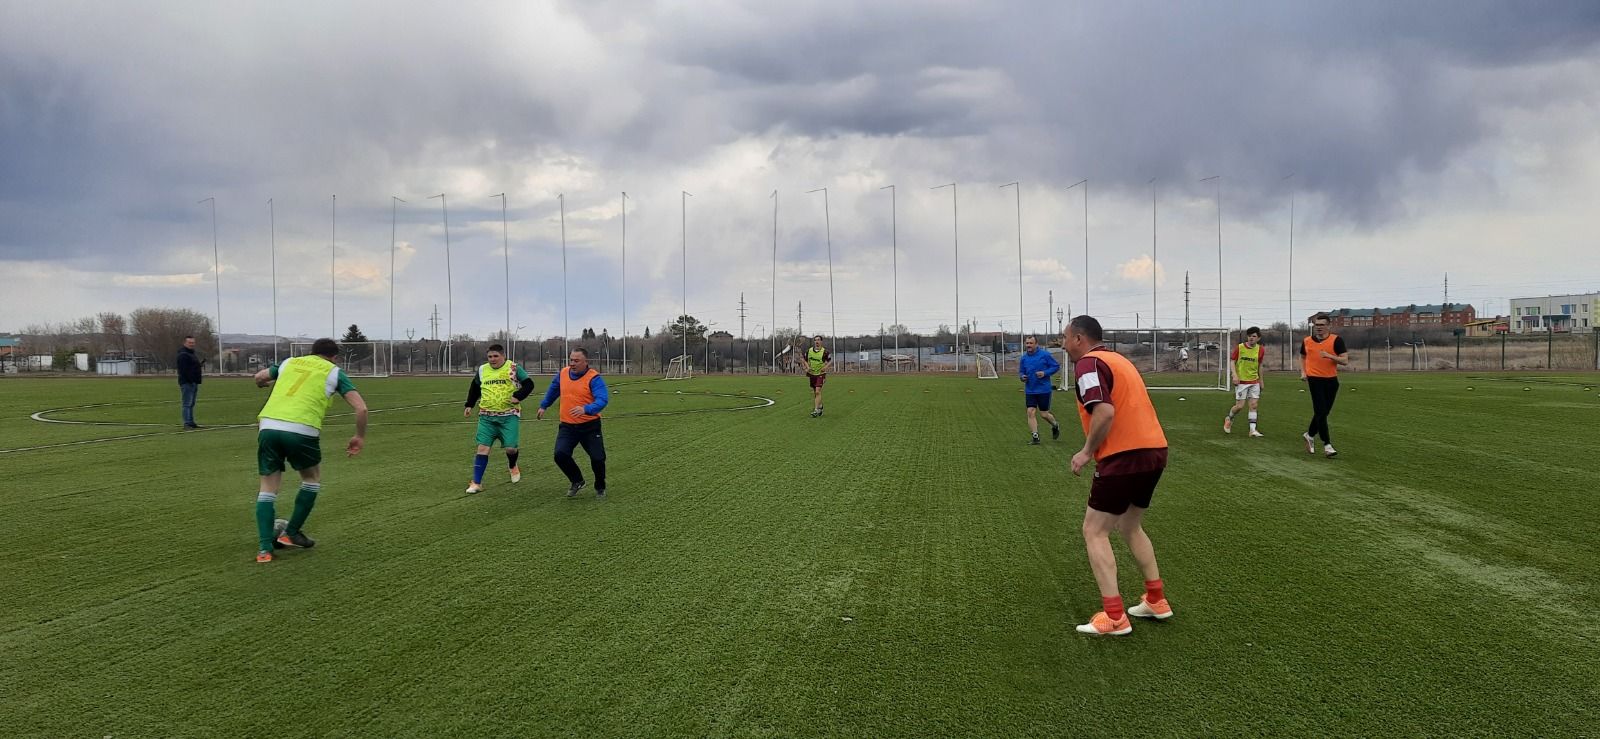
[1159, 610]
[1311, 444]
[474, 488]
[1329, 451]
[1256, 434]
[516, 475]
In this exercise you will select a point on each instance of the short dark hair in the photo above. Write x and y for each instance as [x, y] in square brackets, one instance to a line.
[1253, 330]
[497, 348]
[190, 336]
[1031, 336]
[1088, 326]
[325, 348]
[1320, 317]
[581, 350]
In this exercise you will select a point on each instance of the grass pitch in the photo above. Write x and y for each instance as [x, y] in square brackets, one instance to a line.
[903, 566]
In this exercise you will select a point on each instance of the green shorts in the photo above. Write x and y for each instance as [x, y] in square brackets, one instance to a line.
[273, 448]
[508, 429]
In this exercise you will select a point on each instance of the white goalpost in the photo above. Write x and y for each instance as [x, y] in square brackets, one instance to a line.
[1195, 358]
[985, 365]
[356, 358]
[679, 368]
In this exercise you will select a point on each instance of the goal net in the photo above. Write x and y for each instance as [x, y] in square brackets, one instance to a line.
[986, 369]
[356, 358]
[679, 368]
[1176, 358]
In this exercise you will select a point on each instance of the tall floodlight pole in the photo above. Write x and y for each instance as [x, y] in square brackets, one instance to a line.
[624, 282]
[1217, 180]
[566, 323]
[1155, 358]
[216, 276]
[505, 251]
[1085, 183]
[272, 237]
[333, 270]
[1291, 262]
[827, 225]
[1021, 324]
[774, 338]
[683, 220]
[894, 262]
[955, 241]
[449, 288]
[394, 215]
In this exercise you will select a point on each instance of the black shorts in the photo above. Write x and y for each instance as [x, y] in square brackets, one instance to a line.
[570, 436]
[1114, 493]
[1037, 400]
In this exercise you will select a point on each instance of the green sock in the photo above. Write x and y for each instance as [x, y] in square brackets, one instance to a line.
[266, 513]
[304, 501]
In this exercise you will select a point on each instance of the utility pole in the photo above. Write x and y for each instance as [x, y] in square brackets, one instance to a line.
[741, 316]
[800, 317]
[1051, 312]
[1446, 291]
[433, 320]
[1186, 298]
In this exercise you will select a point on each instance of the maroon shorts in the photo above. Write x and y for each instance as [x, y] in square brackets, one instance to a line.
[1114, 493]
[816, 380]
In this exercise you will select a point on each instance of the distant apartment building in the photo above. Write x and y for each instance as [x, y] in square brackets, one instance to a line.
[1555, 313]
[1405, 316]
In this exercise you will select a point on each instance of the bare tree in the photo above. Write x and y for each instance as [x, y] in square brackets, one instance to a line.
[115, 330]
[158, 332]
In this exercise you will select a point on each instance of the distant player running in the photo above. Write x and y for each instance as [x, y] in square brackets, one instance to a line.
[1123, 437]
[582, 394]
[1035, 368]
[1247, 377]
[497, 392]
[817, 359]
[291, 430]
[1321, 354]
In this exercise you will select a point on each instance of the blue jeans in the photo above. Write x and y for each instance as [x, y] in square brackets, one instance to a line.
[190, 390]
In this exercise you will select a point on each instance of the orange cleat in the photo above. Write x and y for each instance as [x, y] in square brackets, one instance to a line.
[263, 556]
[1158, 610]
[1102, 625]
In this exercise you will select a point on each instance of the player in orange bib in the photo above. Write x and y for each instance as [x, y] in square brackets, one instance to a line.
[1321, 355]
[1124, 439]
[582, 395]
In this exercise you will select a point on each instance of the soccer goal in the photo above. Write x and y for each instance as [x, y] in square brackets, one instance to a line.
[1176, 358]
[986, 369]
[356, 358]
[679, 368]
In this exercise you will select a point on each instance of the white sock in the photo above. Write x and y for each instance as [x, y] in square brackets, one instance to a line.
[1252, 420]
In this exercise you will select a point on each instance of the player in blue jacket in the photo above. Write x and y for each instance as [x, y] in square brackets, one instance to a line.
[1035, 369]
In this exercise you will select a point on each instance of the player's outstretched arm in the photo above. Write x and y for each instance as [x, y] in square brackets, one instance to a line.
[264, 378]
[359, 405]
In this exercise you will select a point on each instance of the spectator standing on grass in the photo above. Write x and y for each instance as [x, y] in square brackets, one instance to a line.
[582, 394]
[189, 364]
[1123, 437]
[1036, 368]
[1321, 355]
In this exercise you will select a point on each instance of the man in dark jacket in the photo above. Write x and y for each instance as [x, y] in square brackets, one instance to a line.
[189, 364]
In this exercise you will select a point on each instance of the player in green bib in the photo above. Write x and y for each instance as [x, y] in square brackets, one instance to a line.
[497, 392]
[1247, 374]
[817, 359]
[291, 431]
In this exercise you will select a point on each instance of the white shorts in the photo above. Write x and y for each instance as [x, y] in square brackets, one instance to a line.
[1244, 392]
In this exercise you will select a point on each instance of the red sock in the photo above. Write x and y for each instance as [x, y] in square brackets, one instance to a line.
[1152, 591]
[1113, 606]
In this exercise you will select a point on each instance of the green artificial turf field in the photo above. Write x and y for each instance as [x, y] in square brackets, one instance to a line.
[903, 566]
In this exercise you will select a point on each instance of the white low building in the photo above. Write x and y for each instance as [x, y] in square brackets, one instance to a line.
[1558, 313]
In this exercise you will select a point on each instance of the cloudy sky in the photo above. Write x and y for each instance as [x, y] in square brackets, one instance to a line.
[1422, 138]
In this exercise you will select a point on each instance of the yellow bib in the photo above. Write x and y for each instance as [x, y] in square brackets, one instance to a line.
[1248, 368]
[497, 386]
[303, 392]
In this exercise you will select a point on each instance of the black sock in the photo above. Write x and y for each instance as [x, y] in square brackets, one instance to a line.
[599, 467]
[511, 459]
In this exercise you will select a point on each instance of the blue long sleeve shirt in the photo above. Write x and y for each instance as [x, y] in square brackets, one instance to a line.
[1041, 360]
[597, 386]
